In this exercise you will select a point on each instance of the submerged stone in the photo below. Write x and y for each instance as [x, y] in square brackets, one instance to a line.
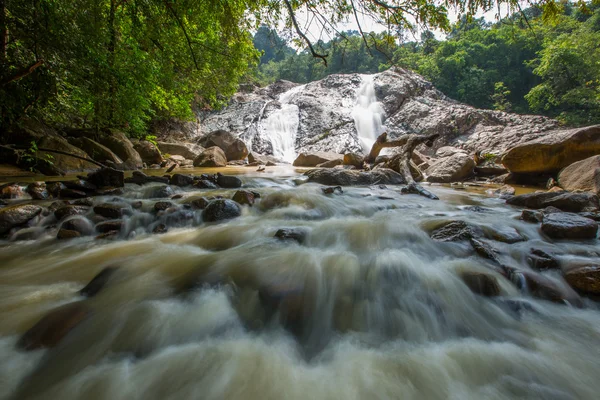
[221, 209]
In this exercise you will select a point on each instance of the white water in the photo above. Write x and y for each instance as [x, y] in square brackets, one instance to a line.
[368, 114]
[281, 127]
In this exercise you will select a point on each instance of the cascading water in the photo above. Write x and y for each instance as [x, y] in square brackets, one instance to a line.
[281, 126]
[368, 114]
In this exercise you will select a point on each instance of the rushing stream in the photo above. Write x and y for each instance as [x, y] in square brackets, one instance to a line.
[376, 311]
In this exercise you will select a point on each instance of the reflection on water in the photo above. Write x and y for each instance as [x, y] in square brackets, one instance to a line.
[368, 306]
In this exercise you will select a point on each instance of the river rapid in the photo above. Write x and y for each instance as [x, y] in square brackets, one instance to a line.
[379, 310]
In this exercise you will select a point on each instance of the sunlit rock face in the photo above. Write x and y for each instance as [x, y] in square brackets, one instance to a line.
[345, 113]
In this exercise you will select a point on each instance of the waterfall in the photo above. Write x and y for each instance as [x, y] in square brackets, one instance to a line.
[368, 114]
[281, 126]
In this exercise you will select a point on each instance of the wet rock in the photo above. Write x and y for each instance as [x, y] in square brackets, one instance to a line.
[109, 192]
[37, 191]
[72, 194]
[344, 177]
[181, 180]
[569, 226]
[540, 260]
[232, 147]
[95, 150]
[414, 188]
[186, 150]
[244, 197]
[148, 152]
[11, 191]
[211, 157]
[177, 196]
[316, 158]
[332, 190]
[54, 326]
[565, 201]
[228, 181]
[65, 234]
[532, 216]
[584, 279]
[490, 169]
[27, 234]
[107, 177]
[205, 184]
[199, 204]
[110, 226]
[111, 210]
[451, 169]
[260, 159]
[78, 224]
[505, 191]
[54, 188]
[136, 205]
[296, 234]
[544, 288]
[160, 228]
[14, 216]
[140, 178]
[118, 143]
[162, 205]
[353, 159]
[506, 235]
[482, 284]
[454, 231]
[484, 249]
[582, 175]
[161, 192]
[550, 153]
[221, 209]
[98, 282]
[86, 201]
[110, 235]
[69, 210]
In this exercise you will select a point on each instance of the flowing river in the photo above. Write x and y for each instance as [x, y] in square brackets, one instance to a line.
[375, 307]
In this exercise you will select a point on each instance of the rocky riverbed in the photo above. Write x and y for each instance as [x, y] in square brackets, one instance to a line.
[237, 283]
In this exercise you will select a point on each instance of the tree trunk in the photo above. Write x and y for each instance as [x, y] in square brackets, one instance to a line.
[3, 31]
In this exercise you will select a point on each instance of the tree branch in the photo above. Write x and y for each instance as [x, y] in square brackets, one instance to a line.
[23, 73]
[302, 35]
[64, 153]
[187, 37]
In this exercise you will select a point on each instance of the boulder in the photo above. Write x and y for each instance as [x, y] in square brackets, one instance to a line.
[149, 153]
[199, 204]
[59, 161]
[160, 229]
[205, 184]
[572, 202]
[454, 231]
[65, 234]
[482, 284]
[260, 159]
[38, 191]
[540, 260]
[78, 224]
[140, 178]
[455, 168]
[14, 216]
[490, 169]
[550, 153]
[110, 226]
[188, 151]
[54, 326]
[448, 151]
[221, 209]
[98, 282]
[161, 192]
[569, 226]
[233, 148]
[111, 210]
[316, 158]
[532, 216]
[70, 210]
[181, 180]
[118, 142]
[582, 175]
[95, 150]
[584, 278]
[354, 159]
[162, 205]
[244, 197]
[107, 178]
[228, 181]
[330, 164]
[211, 157]
[11, 191]
[344, 177]
[545, 288]
[295, 234]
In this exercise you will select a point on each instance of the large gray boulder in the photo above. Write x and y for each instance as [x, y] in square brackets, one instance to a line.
[315, 158]
[234, 148]
[149, 153]
[454, 168]
[211, 157]
[186, 150]
[553, 151]
[345, 177]
[95, 150]
[582, 175]
[118, 142]
[11, 217]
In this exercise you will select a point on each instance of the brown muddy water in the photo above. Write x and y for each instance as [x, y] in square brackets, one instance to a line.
[382, 313]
